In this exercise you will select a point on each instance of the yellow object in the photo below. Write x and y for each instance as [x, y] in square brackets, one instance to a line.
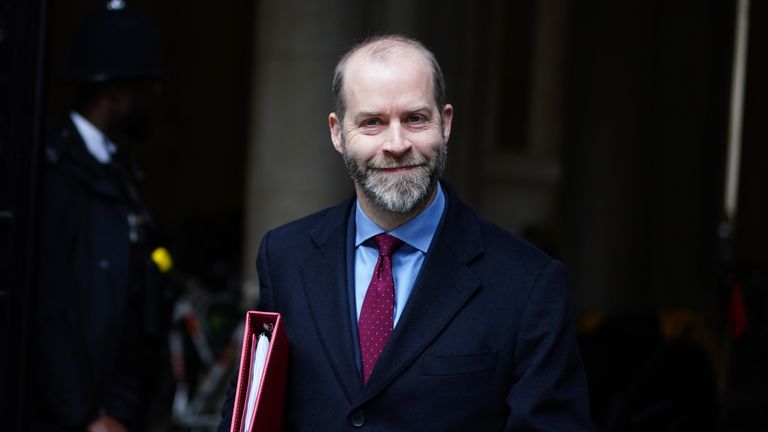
[162, 259]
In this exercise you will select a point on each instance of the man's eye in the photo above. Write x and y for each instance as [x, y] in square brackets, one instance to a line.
[415, 118]
[371, 122]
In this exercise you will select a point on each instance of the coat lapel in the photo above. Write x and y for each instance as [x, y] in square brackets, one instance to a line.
[444, 286]
[324, 279]
[69, 151]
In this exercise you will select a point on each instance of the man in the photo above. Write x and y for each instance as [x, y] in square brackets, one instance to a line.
[443, 323]
[94, 322]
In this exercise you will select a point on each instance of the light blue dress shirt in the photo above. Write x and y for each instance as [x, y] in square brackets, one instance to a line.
[417, 235]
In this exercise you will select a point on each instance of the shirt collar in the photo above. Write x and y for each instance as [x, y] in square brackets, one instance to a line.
[98, 145]
[417, 232]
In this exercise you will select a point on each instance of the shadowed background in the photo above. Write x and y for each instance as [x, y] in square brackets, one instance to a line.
[598, 130]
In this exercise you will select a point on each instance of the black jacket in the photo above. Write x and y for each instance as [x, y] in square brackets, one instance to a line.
[88, 330]
[485, 342]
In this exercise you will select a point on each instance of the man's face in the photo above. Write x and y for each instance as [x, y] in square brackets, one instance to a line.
[393, 138]
[133, 99]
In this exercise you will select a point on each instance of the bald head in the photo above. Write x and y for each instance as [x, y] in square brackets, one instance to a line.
[383, 49]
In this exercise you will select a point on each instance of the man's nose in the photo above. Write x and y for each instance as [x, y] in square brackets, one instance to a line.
[397, 142]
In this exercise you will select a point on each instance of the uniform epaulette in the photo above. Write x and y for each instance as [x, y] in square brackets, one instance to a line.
[54, 150]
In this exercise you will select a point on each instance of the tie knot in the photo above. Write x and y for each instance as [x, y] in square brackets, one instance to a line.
[387, 244]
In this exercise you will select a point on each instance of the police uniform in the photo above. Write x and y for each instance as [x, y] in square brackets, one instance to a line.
[93, 345]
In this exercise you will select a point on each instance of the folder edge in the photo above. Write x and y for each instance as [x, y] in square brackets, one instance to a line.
[253, 326]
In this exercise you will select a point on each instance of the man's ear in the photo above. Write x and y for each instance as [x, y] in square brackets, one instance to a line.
[447, 119]
[334, 124]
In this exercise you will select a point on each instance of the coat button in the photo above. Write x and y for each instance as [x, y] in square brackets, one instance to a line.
[104, 263]
[357, 418]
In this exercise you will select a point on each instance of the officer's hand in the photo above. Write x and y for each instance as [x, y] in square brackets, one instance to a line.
[106, 423]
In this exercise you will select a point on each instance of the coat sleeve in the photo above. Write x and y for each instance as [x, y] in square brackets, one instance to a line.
[265, 304]
[550, 389]
[125, 400]
[63, 385]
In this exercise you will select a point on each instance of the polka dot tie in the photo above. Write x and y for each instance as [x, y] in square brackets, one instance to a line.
[376, 318]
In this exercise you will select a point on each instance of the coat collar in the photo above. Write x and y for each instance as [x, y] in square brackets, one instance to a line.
[67, 151]
[445, 284]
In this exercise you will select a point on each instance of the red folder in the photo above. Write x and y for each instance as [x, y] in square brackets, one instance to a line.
[271, 394]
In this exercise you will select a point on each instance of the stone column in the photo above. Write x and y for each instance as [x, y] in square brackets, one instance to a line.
[292, 168]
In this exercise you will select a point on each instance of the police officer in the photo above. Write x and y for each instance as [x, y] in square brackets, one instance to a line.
[95, 273]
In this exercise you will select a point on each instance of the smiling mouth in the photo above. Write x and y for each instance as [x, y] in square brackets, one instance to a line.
[395, 169]
[398, 169]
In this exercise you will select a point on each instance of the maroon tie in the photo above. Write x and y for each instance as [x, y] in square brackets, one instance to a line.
[375, 322]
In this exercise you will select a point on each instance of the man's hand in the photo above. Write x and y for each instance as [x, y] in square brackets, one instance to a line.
[106, 423]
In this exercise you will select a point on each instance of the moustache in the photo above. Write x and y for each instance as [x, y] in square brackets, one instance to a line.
[404, 162]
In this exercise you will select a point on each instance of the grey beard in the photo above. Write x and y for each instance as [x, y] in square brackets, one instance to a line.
[400, 194]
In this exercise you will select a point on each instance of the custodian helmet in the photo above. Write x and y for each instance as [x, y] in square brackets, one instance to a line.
[113, 43]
